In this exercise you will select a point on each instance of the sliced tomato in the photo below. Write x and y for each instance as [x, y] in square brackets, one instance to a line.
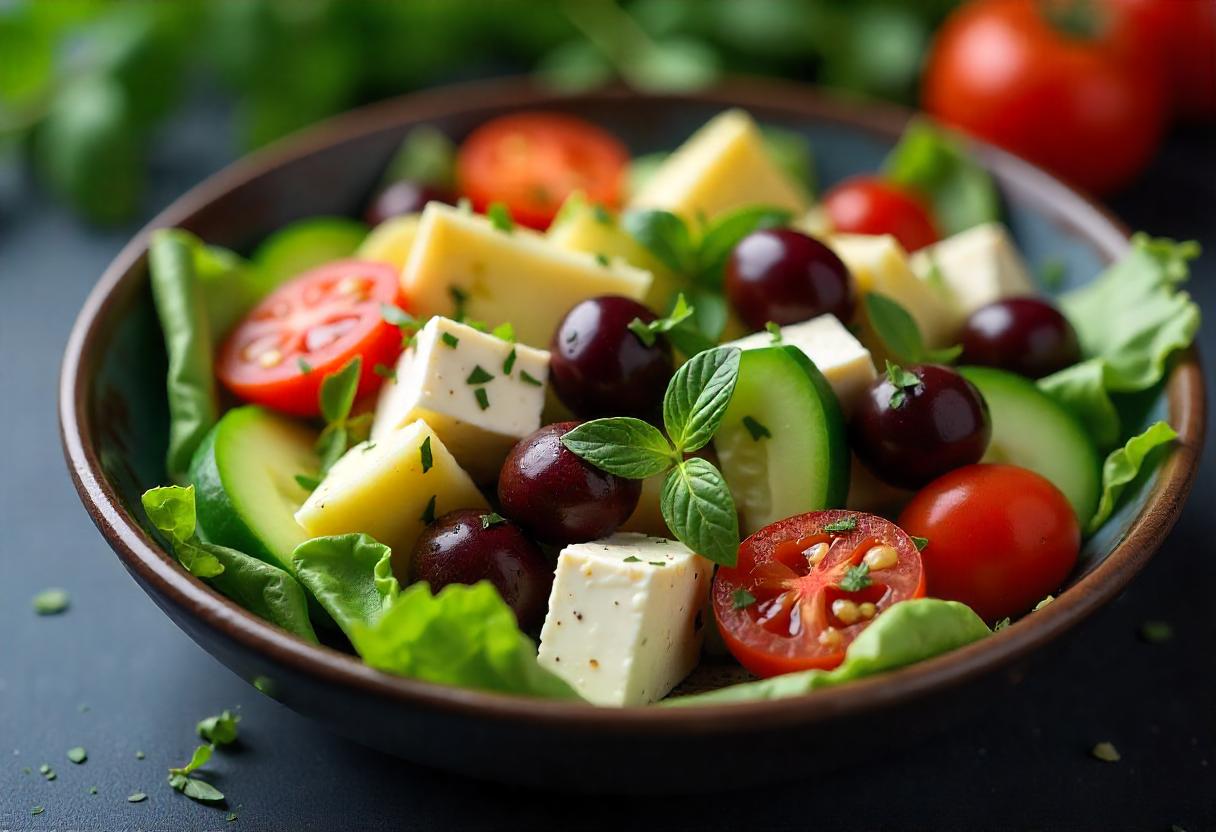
[532, 161]
[871, 205]
[806, 586]
[308, 328]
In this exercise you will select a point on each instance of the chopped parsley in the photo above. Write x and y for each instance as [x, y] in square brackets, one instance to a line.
[304, 366]
[428, 513]
[1106, 752]
[757, 430]
[483, 398]
[136, 797]
[504, 331]
[46, 771]
[919, 542]
[492, 519]
[1043, 603]
[139, 755]
[632, 559]
[478, 376]
[424, 452]
[527, 378]
[77, 755]
[602, 259]
[37, 810]
[307, 481]
[509, 363]
[774, 330]
[601, 214]
[742, 599]
[449, 339]
[51, 601]
[856, 578]
[385, 371]
[1052, 273]
[500, 216]
[657, 562]
[460, 300]
[1002, 624]
[844, 524]
[1156, 632]
[903, 381]
[92, 790]
[219, 729]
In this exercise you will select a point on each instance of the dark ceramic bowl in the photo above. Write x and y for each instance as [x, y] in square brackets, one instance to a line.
[113, 419]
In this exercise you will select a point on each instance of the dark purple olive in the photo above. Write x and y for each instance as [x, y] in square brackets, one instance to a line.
[784, 276]
[916, 423]
[557, 497]
[402, 197]
[469, 545]
[1027, 336]
[599, 367]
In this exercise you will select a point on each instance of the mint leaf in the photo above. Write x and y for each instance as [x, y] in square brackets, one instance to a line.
[622, 446]
[197, 760]
[934, 163]
[500, 216]
[903, 381]
[698, 395]
[77, 755]
[196, 789]
[338, 391]
[492, 519]
[426, 155]
[741, 599]
[55, 601]
[919, 542]
[895, 328]
[856, 578]
[647, 332]
[504, 332]
[710, 313]
[844, 524]
[698, 508]
[664, 235]
[725, 232]
[219, 729]
[757, 430]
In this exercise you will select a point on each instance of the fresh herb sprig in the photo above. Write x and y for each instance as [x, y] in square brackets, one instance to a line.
[678, 326]
[901, 336]
[696, 502]
[337, 398]
[193, 787]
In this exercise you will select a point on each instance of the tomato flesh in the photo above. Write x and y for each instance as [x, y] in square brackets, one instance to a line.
[869, 205]
[308, 328]
[532, 161]
[793, 569]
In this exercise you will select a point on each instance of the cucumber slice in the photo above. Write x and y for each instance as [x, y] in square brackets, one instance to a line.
[1031, 430]
[303, 244]
[802, 464]
[244, 481]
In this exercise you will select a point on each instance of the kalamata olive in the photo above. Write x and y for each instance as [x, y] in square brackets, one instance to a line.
[784, 276]
[916, 423]
[557, 497]
[470, 545]
[599, 367]
[1028, 336]
[402, 197]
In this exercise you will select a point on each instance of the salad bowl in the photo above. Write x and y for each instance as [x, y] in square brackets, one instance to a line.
[114, 428]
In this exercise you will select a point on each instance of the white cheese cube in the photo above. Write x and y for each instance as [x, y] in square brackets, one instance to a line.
[478, 393]
[976, 267]
[390, 489]
[879, 263]
[815, 222]
[497, 276]
[844, 362]
[723, 166]
[626, 618]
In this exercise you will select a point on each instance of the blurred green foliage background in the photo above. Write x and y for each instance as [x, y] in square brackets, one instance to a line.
[84, 83]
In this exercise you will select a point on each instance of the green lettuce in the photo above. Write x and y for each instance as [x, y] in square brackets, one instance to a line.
[464, 636]
[909, 632]
[350, 575]
[1123, 465]
[933, 162]
[1130, 321]
[264, 590]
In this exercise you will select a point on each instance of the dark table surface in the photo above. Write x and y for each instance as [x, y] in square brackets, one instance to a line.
[113, 675]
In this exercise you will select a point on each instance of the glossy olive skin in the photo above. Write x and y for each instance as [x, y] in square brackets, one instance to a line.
[941, 424]
[784, 276]
[598, 367]
[459, 548]
[404, 196]
[1027, 336]
[557, 497]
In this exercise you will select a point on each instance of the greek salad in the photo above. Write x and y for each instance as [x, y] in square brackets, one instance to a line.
[552, 420]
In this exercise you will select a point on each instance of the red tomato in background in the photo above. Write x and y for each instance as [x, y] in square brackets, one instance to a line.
[310, 327]
[1089, 108]
[870, 205]
[1001, 538]
[532, 161]
[782, 608]
[1183, 32]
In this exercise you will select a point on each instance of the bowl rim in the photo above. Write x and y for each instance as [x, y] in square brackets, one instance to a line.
[155, 568]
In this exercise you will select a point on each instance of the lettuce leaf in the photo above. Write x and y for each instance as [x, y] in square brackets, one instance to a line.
[1123, 465]
[464, 636]
[933, 162]
[266, 591]
[909, 632]
[1081, 390]
[350, 575]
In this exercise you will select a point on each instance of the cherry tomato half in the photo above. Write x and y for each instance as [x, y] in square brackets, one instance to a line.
[870, 205]
[1083, 105]
[308, 328]
[801, 591]
[1001, 538]
[533, 161]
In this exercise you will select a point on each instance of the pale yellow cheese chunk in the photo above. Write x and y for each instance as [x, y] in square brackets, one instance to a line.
[723, 166]
[385, 489]
[390, 241]
[514, 276]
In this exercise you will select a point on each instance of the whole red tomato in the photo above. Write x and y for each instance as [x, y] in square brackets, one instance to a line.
[1183, 34]
[1082, 104]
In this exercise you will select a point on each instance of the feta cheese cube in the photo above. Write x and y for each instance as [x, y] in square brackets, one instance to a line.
[976, 266]
[844, 362]
[478, 393]
[625, 620]
[499, 276]
[390, 489]
[722, 166]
